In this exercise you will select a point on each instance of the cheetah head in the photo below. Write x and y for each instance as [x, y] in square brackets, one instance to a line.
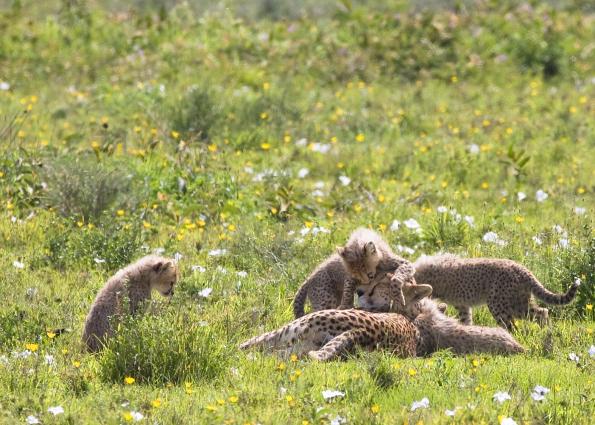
[164, 275]
[360, 260]
[378, 298]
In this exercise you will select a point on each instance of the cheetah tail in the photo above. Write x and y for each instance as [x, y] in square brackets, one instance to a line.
[550, 297]
[300, 300]
[269, 340]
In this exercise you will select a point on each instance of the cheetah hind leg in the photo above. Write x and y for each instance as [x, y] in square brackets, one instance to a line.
[338, 346]
[465, 315]
[503, 318]
[323, 299]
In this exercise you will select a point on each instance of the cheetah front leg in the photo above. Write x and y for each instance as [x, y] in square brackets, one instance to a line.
[404, 274]
[465, 314]
[339, 345]
[348, 294]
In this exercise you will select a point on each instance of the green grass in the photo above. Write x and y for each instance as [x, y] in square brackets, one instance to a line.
[188, 129]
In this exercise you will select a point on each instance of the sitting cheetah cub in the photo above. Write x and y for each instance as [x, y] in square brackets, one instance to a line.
[331, 334]
[334, 282]
[134, 283]
[438, 331]
[504, 285]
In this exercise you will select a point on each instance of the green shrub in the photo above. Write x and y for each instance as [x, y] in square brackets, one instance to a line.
[196, 114]
[82, 187]
[161, 349]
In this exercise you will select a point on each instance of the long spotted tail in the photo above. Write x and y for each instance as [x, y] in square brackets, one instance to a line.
[274, 339]
[299, 301]
[549, 297]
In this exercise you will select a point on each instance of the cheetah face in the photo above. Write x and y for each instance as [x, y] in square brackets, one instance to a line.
[378, 298]
[165, 276]
[361, 262]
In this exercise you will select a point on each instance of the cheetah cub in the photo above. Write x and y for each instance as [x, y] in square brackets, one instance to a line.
[332, 334]
[133, 283]
[438, 331]
[504, 285]
[334, 282]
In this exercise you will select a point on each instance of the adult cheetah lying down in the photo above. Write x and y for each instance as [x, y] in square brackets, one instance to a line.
[330, 334]
[132, 284]
[438, 331]
[504, 285]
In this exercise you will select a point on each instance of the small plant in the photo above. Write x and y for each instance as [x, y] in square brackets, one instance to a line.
[170, 348]
[446, 231]
[82, 187]
[515, 162]
[196, 114]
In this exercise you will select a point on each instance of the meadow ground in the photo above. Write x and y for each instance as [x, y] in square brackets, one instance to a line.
[249, 145]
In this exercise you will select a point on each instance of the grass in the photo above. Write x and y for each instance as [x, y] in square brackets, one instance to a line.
[237, 138]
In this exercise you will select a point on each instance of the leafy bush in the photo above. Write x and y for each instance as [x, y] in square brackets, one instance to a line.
[112, 244]
[448, 230]
[196, 114]
[82, 187]
[158, 350]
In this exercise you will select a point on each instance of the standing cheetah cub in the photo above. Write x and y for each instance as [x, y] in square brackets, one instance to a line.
[504, 285]
[133, 284]
[438, 331]
[331, 334]
[334, 282]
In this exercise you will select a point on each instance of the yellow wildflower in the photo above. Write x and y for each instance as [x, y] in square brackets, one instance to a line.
[129, 380]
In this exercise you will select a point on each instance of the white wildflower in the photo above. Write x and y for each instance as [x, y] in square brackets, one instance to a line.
[305, 231]
[319, 229]
[592, 351]
[442, 209]
[521, 196]
[217, 252]
[501, 396]
[405, 249]
[412, 224]
[537, 240]
[303, 172]
[18, 264]
[344, 180]
[394, 226]
[574, 357]
[99, 260]
[470, 220]
[248, 170]
[450, 412]
[332, 394]
[301, 142]
[320, 147]
[508, 421]
[221, 269]
[178, 257]
[539, 393]
[49, 359]
[580, 210]
[242, 273]
[319, 184]
[492, 237]
[473, 149]
[541, 196]
[563, 243]
[136, 416]
[318, 193]
[282, 390]
[578, 281]
[4, 86]
[421, 404]
[338, 420]
[205, 292]
[197, 268]
[56, 410]
[32, 420]
[159, 251]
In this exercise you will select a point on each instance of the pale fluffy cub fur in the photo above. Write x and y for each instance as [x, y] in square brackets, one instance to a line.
[504, 285]
[334, 282]
[129, 286]
[438, 331]
[332, 334]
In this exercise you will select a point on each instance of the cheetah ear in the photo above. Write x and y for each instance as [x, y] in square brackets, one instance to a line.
[341, 251]
[369, 248]
[161, 266]
[414, 293]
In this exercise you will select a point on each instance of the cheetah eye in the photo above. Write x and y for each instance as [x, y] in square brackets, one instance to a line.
[371, 275]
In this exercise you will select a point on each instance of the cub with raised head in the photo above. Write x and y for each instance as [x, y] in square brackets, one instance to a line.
[504, 285]
[332, 334]
[438, 331]
[334, 282]
[129, 286]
